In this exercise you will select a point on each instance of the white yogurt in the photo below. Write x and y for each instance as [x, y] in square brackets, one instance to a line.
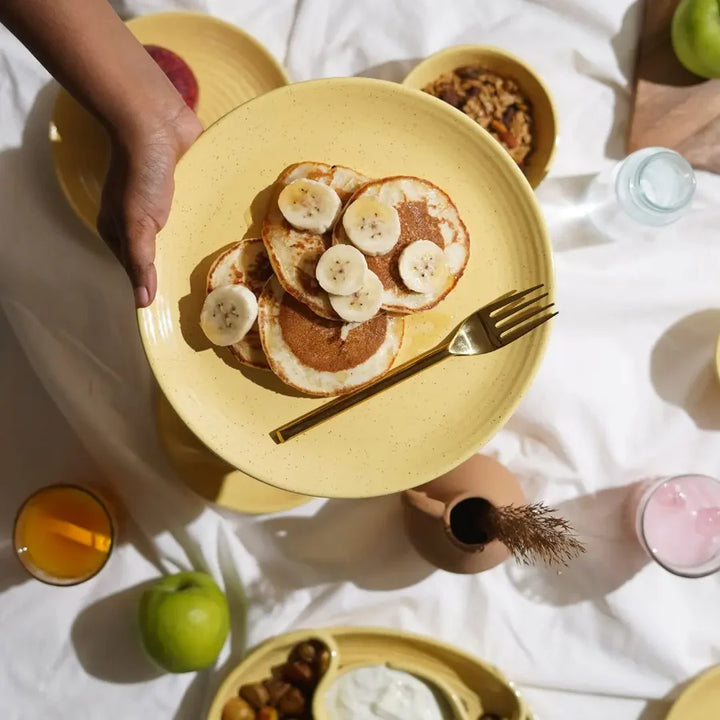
[378, 692]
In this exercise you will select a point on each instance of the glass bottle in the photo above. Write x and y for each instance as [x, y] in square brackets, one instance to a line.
[652, 187]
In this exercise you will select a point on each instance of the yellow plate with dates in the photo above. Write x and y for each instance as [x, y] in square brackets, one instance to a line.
[470, 686]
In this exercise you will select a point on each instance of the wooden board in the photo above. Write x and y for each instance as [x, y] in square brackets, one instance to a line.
[673, 108]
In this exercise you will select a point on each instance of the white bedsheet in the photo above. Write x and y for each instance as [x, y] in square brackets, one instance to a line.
[626, 391]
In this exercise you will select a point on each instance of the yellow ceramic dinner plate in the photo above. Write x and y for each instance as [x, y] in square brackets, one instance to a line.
[231, 67]
[701, 699]
[418, 429]
[470, 685]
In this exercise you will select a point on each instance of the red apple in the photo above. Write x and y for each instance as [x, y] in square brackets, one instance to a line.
[179, 73]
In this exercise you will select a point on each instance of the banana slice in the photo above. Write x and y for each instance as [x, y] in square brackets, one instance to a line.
[361, 305]
[423, 266]
[372, 226]
[228, 314]
[309, 205]
[341, 270]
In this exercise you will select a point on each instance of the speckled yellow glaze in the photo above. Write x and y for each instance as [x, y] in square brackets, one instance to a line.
[700, 700]
[211, 477]
[470, 685]
[417, 430]
[503, 63]
[231, 67]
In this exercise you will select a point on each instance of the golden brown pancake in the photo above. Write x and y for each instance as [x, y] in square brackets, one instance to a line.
[426, 213]
[245, 263]
[319, 356]
[294, 253]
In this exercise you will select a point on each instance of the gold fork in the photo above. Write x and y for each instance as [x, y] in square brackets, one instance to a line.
[493, 326]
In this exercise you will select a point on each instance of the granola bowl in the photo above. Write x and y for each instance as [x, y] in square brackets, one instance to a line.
[502, 93]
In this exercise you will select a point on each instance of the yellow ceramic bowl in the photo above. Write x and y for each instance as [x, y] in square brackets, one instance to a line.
[416, 430]
[469, 685]
[503, 63]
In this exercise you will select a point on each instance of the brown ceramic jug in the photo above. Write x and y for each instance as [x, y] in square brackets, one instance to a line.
[443, 518]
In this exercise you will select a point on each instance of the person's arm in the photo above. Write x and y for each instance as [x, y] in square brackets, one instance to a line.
[88, 49]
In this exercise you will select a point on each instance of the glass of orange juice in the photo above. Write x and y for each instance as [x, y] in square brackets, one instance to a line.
[63, 534]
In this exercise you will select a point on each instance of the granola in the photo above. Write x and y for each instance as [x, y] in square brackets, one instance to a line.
[494, 102]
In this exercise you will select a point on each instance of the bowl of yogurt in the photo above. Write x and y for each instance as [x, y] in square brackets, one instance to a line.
[386, 692]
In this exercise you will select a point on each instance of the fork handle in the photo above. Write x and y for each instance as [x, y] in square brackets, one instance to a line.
[344, 402]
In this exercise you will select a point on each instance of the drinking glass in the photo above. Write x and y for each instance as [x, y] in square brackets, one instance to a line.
[677, 521]
[64, 534]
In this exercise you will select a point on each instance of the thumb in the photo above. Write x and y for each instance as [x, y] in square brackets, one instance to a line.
[140, 256]
[144, 282]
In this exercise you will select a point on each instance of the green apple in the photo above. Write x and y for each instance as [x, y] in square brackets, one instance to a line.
[184, 621]
[696, 36]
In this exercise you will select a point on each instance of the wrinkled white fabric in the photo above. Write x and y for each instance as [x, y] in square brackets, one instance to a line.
[627, 390]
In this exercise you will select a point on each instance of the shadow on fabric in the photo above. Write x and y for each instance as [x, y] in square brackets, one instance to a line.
[682, 367]
[625, 41]
[41, 237]
[603, 521]
[362, 542]
[393, 70]
[655, 710]
[624, 45]
[107, 642]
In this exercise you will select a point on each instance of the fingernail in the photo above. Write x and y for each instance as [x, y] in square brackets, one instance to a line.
[142, 298]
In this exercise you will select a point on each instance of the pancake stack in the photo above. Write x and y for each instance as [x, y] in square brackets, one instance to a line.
[320, 299]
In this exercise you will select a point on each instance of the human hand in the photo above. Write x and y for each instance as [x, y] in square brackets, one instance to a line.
[138, 191]
[91, 52]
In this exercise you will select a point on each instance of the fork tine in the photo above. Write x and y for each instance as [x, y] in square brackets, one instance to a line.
[525, 329]
[517, 308]
[514, 321]
[506, 300]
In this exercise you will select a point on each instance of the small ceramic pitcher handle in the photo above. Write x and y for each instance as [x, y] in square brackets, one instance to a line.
[424, 503]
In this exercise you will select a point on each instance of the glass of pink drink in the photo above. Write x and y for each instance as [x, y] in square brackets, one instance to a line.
[678, 524]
